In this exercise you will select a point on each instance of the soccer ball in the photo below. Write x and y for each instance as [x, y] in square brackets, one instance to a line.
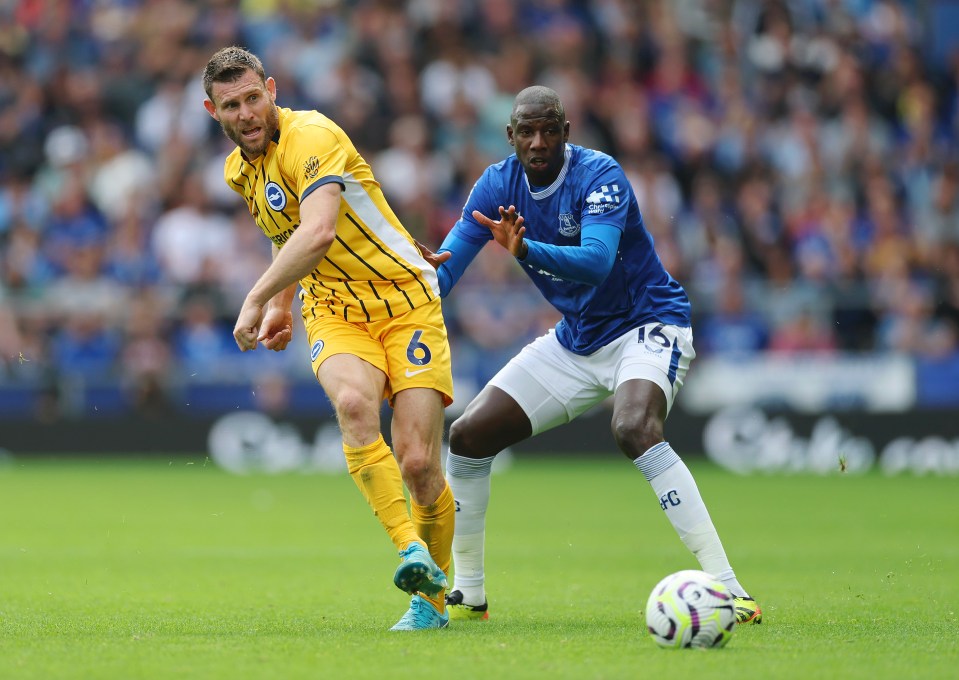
[690, 609]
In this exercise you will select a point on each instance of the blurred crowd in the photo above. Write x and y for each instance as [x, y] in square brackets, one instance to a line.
[795, 160]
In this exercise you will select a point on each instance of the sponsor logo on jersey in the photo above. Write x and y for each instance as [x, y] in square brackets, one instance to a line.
[282, 237]
[316, 349]
[603, 199]
[568, 225]
[275, 196]
[311, 167]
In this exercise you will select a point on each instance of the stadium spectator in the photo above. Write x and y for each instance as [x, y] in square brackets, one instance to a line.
[782, 101]
[201, 341]
[371, 309]
[574, 224]
[146, 359]
[11, 342]
[86, 348]
[733, 328]
[189, 239]
[803, 332]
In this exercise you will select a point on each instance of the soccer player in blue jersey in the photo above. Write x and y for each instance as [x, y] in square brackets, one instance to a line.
[574, 225]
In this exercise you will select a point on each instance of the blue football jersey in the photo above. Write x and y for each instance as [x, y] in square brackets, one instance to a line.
[591, 189]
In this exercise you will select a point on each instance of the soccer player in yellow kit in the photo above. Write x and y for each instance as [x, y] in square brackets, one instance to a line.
[371, 308]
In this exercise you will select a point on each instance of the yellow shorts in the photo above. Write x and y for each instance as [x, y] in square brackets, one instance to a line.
[412, 349]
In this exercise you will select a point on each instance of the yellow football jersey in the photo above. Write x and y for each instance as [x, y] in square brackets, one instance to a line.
[373, 270]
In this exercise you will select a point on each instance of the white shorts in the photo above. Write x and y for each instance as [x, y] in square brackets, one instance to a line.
[553, 386]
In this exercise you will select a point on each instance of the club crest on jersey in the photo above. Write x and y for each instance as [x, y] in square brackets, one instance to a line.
[311, 167]
[275, 196]
[316, 349]
[603, 199]
[568, 225]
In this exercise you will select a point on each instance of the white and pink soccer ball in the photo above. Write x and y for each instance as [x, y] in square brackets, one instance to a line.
[690, 609]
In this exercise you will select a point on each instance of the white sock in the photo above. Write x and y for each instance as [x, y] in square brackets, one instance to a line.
[469, 480]
[679, 497]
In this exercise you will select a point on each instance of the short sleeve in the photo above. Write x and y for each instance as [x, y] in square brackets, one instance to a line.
[314, 156]
[607, 198]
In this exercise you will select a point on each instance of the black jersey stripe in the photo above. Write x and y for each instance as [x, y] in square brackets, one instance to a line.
[330, 296]
[360, 259]
[269, 210]
[382, 278]
[373, 290]
[249, 178]
[345, 282]
[292, 190]
[334, 297]
[312, 290]
[369, 237]
[386, 302]
[408, 301]
[338, 268]
[292, 193]
[353, 293]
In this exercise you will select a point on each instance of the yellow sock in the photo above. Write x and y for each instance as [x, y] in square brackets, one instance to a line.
[434, 524]
[377, 475]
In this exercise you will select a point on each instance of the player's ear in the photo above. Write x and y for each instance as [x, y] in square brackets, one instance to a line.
[271, 87]
[211, 108]
[509, 134]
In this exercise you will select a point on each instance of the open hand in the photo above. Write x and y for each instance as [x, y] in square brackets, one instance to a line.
[508, 231]
[435, 259]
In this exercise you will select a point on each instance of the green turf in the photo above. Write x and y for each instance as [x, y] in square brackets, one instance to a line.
[174, 569]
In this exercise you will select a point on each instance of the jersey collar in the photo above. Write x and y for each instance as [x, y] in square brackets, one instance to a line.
[557, 183]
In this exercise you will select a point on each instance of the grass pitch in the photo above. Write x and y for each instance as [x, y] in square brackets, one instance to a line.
[175, 569]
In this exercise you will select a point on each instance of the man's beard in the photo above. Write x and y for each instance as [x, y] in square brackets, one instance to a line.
[270, 125]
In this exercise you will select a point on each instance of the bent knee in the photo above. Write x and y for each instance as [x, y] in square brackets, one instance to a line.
[471, 439]
[352, 406]
[417, 466]
[462, 440]
[636, 433]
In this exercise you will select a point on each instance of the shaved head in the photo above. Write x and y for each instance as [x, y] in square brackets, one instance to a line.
[538, 130]
[541, 99]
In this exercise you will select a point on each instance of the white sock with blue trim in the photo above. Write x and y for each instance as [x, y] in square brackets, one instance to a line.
[679, 497]
[469, 480]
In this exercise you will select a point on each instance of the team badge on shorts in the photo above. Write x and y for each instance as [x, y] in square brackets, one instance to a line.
[316, 349]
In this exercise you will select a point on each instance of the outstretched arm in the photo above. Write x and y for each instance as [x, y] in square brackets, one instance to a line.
[451, 259]
[508, 231]
[588, 263]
